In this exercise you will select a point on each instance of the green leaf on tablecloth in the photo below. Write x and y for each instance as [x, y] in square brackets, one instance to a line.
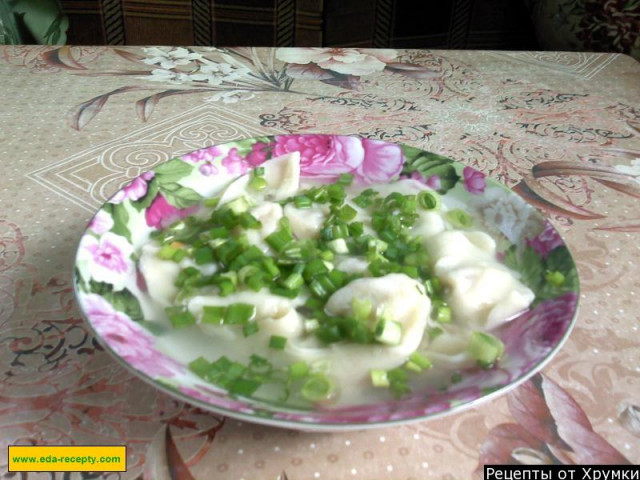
[172, 171]
[120, 217]
[431, 164]
[180, 196]
[152, 192]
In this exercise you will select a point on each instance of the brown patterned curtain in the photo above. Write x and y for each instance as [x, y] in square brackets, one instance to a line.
[357, 23]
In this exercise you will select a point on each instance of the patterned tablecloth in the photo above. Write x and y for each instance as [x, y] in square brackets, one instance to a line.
[562, 129]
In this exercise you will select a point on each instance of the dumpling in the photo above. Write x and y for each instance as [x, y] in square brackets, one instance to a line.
[275, 315]
[306, 222]
[486, 296]
[427, 225]
[481, 291]
[396, 293]
[159, 275]
[283, 175]
[269, 214]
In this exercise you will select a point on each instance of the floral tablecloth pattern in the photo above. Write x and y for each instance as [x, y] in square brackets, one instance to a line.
[76, 123]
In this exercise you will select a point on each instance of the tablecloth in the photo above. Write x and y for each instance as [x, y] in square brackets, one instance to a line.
[76, 123]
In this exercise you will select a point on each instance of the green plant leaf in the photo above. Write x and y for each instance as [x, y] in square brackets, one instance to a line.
[152, 192]
[429, 164]
[180, 196]
[172, 171]
[120, 217]
[528, 264]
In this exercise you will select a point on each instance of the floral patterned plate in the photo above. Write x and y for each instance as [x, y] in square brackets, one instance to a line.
[109, 290]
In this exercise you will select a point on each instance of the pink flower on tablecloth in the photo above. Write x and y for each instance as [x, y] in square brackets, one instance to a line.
[108, 258]
[347, 61]
[328, 156]
[161, 213]
[126, 338]
[234, 163]
[474, 181]
[432, 182]
[546, 241]
[258, 154]
[134, 190]
[102, 222]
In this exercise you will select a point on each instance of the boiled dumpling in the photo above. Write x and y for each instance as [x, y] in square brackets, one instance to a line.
[454, 249]
[159, 275]
[306, 222]
[283, 175]
[396, 293]
[269, 214]
[486, 296]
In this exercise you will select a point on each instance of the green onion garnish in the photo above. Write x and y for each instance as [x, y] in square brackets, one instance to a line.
[317, 388]
[277, 342]
[485, 348]
[180, 317]
[302, 201]
[279, 239]
[459, 218]
[388, 332]
[379, 378]
[239, 313]
[213, 315]
[441, 312]
[429, 200]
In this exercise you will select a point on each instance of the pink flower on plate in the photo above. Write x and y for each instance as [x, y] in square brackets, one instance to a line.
[258, 154]
[432, 182]
[161, 213]
[205, 158]
[102, 222]
[126, 338]
[546, 241]
[234, 163]
[134, 190]
[107, 258]
[328, 156]
[347, 61]
[474, 181]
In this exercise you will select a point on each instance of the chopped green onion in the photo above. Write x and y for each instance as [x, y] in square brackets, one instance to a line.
[379, 378]
[239, 313]
[339, 246]
[283, 291]
[244, 386]
[212, 202]
[302, 201]
[429, 200]
[279, 239]
[200, 366]
[434, 332]
[361, 308]
[168, 251]
[246, 220]
[554, 278]
[298, 370]
[258, 171]
[213, 314]
[317, 388]
[238, 205]
[345, 179]
[388, 332]
[203, 255]
[179, 255]
[250, 328]
[441, 312]
[458, 218]
[258, 183]
[293, 281]
[420, 360]
[270, 267]
[485, 348]
[277, 342]
[180, 317]
[219, 232]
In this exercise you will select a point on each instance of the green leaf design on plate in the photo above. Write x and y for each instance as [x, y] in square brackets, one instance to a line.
[172, 171]
[180, 196]
[124, 301]
[429, 164]
[120, 215]
[533, 269]
[152, 192]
